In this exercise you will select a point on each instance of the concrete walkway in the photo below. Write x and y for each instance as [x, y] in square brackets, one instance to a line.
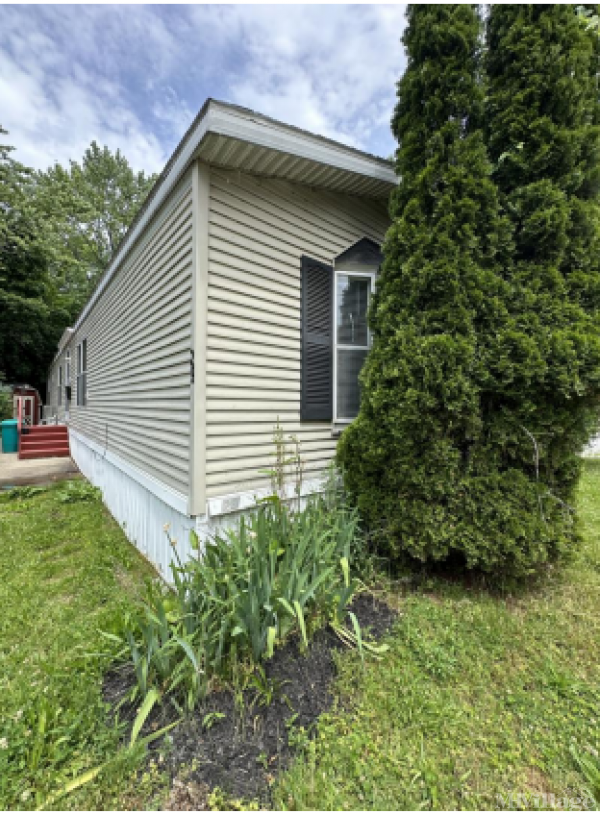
[15, 472]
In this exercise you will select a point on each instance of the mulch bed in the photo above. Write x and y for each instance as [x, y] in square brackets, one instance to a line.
[241, 752]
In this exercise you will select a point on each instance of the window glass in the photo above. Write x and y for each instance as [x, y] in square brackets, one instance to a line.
[349, 365]
[82, 373]
[352, 340]
[352, 306]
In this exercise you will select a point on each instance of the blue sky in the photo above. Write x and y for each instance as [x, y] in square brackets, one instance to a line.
[134, 77]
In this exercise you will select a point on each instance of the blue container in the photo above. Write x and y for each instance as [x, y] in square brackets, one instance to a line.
[10, 436]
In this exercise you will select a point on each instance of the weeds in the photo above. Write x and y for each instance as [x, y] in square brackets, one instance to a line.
[283, 571]
[23, 492]
[280, 573]
[79, 491]
[589, 766]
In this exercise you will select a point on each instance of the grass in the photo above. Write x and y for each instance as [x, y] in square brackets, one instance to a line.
[484, 701]
[482, 695]
[66, 570]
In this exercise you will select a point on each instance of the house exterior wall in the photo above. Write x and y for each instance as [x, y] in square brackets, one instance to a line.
[52, 406]
[258, 229]
[138, 353]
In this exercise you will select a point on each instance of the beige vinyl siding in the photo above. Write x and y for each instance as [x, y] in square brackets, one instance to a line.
[138, 351]
[258, 231]
[58, 410]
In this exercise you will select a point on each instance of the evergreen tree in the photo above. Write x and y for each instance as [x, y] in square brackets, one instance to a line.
[543, 136]
[425, 459]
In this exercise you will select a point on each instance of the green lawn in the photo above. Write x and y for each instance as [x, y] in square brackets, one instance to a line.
[65, 570]
[479, 697]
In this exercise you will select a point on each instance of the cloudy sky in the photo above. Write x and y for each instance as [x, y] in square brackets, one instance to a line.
[134, 77]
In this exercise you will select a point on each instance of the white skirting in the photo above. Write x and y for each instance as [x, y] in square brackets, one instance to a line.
[141, 514]
[143, 506]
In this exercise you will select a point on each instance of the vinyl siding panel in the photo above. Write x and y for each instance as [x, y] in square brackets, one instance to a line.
[258, 231]
[138, 344]
[57, 410]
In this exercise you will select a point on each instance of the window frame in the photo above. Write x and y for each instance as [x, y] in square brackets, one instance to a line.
[60, 385]
[368, 272]
[82, 373]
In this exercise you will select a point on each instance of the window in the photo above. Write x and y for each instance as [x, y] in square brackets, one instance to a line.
[82, 373]
[334, 333]
[68, 369]
[60, 384]
[352, 340]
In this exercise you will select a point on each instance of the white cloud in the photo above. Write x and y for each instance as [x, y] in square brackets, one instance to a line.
[133, 77]
[331, 69]
[55, 98]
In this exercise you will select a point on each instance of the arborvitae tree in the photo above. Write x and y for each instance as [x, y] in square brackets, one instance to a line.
[421, 460]
[543, 136]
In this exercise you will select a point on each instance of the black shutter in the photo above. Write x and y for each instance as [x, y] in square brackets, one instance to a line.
[316, 391]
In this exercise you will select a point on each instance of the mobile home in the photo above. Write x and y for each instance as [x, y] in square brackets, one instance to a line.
[236, 300]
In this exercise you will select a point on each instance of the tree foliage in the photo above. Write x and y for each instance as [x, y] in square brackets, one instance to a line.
[444, 458]
[58, 230]
[89, 207]
[542, 125]
[32, 311]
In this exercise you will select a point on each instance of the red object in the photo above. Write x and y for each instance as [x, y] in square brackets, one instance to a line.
[30, 401]
[43, 441]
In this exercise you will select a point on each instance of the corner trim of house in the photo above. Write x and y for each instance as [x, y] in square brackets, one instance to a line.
[243, 500]
[169, 496]
[200, 213]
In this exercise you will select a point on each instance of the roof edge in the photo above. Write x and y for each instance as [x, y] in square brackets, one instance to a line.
[230, 120]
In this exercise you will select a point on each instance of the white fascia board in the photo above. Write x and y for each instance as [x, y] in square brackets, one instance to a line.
[64, 339]
[235, 123]
[168, 495]
[62, 343]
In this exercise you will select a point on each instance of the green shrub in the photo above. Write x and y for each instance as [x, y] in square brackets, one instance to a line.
[482, 384]
[543, 133]
[418, 460]
[280, 573]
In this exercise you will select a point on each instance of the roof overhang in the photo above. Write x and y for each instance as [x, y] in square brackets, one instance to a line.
[241, 139]
[63, 342]
[64, 339]
[225, 135]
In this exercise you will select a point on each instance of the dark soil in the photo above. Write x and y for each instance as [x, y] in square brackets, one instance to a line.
[241, 751]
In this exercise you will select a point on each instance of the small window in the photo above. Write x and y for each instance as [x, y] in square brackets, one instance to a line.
[82, 373]
[352, 340]
[335, 336]
[60, 384]
[68, 369]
